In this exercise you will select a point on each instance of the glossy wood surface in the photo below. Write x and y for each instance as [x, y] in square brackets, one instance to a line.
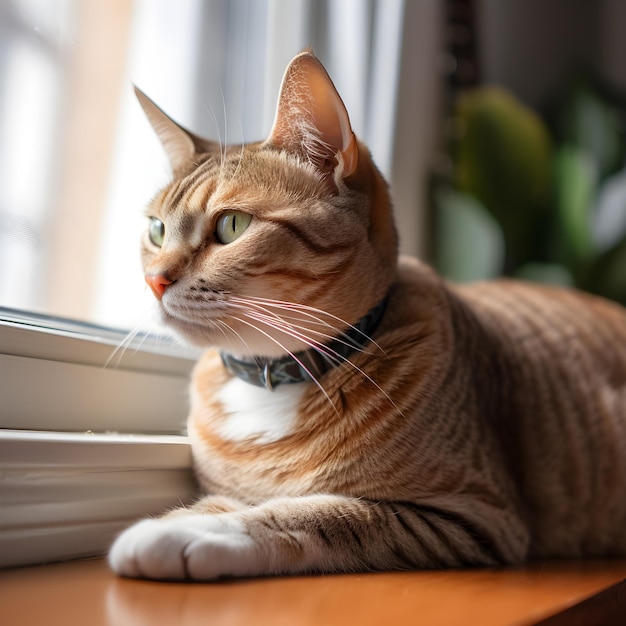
[87, 593]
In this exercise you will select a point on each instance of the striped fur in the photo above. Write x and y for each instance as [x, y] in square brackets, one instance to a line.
[484, 424]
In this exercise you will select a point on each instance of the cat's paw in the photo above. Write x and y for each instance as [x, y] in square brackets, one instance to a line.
[197, 547]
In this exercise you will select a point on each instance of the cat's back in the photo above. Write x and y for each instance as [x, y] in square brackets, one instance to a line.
[555, 313]
[559, 358]
[563, 339]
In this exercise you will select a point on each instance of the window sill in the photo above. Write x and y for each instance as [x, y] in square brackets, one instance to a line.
[66, 495]
[66, 376]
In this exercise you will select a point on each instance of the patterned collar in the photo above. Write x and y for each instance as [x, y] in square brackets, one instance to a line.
[303, 366]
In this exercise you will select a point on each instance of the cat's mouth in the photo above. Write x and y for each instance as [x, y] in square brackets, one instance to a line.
[218, 323]
[197, 321]
[212, 323]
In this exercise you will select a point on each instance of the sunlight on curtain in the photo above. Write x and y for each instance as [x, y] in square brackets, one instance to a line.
[33, 40]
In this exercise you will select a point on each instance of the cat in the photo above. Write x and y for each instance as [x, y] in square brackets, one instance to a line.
[355, 411]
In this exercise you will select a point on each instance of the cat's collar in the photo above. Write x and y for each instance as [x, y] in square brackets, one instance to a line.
[303, 366]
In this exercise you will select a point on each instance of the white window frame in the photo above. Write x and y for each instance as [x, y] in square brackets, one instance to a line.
[66, 495]
[58, 375]
[73, 470]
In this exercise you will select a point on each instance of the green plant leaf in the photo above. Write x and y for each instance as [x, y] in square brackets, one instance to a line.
[592, 124]
[576, 181]
[548, 273]
[607, 276]
[469, 243]
[503, 157]
[608, 217]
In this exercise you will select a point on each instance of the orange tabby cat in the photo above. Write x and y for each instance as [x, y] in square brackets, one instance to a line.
[479, 425]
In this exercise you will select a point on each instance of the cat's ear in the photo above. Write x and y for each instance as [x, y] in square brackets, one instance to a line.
[311, 118]
[180, 145]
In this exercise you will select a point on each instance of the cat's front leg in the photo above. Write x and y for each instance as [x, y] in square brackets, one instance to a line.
[313, 534]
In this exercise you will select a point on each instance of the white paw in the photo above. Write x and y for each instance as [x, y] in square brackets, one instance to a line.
[198, 547]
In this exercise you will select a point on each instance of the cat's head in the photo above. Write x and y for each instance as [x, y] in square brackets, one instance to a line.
[270, 247]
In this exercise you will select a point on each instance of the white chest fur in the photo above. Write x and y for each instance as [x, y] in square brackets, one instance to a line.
[254, 412]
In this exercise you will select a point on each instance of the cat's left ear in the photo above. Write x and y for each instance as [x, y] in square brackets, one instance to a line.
[177, 143]
[180, 145]
[311, 118]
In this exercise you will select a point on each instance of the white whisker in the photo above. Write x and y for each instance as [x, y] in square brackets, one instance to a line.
[310, 312]
[322, 349]
[234, 332]
[241, 153]
[121, 349]
[221, 145]
[337, 338]
[295, 359]
[225, 144]
[337, 335]
[290, 331]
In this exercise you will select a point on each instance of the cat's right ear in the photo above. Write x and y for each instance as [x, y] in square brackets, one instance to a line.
[311, 119]
[179, 144]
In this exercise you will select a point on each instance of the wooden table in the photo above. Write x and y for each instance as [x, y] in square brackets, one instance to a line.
[86, 593]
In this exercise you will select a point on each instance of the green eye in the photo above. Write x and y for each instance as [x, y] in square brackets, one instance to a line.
[231, 225]
[156, 231]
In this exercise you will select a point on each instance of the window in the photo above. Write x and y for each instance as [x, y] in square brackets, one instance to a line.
[91, 417]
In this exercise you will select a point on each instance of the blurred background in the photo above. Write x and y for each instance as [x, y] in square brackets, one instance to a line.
[500, 124]
[531, 182]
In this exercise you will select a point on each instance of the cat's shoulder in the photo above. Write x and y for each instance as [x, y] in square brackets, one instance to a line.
[418, 297]
[415, 276]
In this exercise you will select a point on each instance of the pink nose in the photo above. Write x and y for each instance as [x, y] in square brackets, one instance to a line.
[158, 283]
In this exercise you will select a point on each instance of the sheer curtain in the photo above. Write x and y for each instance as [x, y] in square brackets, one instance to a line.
[32, 73]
